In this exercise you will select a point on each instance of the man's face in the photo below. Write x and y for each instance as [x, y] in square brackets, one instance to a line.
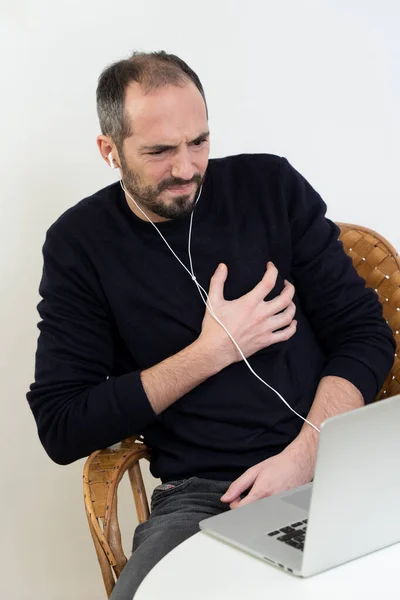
[164, 161]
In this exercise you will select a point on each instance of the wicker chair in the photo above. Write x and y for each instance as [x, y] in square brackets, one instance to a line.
[375, 260]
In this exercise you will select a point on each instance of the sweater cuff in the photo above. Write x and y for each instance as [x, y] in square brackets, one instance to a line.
[133, 401]
[354, 371]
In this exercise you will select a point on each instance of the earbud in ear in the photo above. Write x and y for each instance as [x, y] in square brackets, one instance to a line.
[111, 161]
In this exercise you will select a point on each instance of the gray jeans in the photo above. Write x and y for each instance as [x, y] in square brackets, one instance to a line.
[176, 510]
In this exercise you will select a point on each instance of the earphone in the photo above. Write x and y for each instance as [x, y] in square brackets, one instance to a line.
[204, 296]
[111, 161]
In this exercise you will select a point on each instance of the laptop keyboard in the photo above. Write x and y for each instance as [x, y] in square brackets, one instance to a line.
[293, 535]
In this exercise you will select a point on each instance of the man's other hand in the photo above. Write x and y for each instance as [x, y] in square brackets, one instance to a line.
[282, 472]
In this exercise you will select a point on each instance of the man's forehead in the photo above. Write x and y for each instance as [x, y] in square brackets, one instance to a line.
[166, 112]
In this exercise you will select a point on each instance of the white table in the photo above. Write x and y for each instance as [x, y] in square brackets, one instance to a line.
[204, 568]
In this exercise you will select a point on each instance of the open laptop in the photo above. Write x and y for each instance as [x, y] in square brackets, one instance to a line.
[352, 507]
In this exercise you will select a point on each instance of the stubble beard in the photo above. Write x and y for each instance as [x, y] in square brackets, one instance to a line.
[149, 197]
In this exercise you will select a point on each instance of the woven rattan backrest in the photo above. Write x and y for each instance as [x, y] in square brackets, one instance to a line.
[377, 261]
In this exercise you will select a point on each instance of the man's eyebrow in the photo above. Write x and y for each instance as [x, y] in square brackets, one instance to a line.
[163, 147]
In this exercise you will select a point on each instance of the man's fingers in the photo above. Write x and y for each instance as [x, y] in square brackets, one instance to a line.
[217, 282]
[285, 334]
[251, 497]
[265, 286]
[241, 484]
[282, 301]
[283, 319]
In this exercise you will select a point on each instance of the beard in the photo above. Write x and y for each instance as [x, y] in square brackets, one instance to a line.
[149, 197]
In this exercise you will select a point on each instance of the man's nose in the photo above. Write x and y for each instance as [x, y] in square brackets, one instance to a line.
[182, 167]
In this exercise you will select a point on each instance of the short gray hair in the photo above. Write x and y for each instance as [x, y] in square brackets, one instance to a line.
[152, 70]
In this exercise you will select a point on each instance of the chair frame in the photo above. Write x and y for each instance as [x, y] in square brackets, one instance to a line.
[375, 259]
[102, 474]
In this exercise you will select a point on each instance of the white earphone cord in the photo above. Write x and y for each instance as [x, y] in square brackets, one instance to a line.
[207, 301]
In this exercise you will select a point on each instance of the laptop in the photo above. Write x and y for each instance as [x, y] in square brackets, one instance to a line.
[352, 507]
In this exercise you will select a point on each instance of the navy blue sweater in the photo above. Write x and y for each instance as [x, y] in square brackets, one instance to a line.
[115, 302]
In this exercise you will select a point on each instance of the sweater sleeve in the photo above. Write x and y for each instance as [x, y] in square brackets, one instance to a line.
[79, 406]
[346, 316]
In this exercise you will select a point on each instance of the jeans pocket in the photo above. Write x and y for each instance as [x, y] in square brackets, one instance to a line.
[170, 488]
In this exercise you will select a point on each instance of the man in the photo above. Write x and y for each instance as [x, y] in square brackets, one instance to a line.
[127, 346]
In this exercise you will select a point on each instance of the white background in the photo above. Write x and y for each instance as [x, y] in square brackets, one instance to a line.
[317, 82]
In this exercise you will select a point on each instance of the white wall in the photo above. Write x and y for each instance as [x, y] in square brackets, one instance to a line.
[315, 81]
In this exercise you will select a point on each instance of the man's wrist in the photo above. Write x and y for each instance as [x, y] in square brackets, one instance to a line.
[169, 380]
[215, 357]
[334, 396]
[303, 451]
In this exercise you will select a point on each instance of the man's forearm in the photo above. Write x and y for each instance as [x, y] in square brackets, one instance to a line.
[177, 375]
[334, 396]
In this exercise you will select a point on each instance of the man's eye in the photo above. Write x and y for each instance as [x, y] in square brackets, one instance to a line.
[159, 152]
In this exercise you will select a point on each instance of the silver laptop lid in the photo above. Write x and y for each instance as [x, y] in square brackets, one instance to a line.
[355, 504]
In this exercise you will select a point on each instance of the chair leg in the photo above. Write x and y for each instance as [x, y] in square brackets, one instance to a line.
[139, 492]
[106, 570]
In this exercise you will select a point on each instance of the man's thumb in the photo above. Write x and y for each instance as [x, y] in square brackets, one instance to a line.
[217, 282]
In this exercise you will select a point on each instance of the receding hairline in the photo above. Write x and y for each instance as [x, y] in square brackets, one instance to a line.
[155, 73]
[151, 71]
[148, 89]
